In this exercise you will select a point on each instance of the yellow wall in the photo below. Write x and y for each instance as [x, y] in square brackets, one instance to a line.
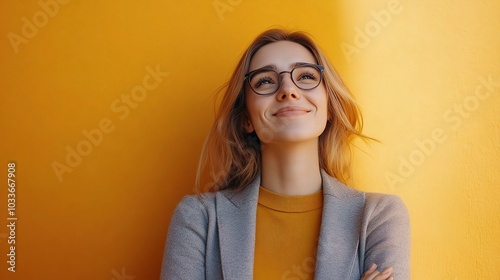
[71, 69]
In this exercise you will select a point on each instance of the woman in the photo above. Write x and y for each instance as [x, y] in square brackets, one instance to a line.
[279, 208]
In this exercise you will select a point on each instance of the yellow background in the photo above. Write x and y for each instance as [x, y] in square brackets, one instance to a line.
[410, 71]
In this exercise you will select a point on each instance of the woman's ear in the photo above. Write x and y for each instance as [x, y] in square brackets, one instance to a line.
[247, 125]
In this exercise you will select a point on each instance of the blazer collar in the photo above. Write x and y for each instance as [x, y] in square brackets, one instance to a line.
[236, 219]
[339, 233]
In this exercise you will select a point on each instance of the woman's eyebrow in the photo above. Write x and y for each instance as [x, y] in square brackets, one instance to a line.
[269, 66]
[299, 64]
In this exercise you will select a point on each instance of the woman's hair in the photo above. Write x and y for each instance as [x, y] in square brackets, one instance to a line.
[231, 156]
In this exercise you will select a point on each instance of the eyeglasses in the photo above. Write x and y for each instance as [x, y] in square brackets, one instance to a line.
[266, 80]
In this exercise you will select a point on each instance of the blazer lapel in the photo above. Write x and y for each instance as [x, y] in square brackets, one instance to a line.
[236, 219]
[339, 234]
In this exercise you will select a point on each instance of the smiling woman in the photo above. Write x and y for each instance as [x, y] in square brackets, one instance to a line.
[294, 109]
[278, 206]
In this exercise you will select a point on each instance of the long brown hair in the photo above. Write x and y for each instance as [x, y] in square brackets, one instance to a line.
[231, 156]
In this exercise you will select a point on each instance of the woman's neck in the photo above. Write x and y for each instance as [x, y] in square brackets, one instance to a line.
[291, 169]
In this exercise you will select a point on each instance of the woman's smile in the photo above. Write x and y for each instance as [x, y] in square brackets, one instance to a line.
[290, 111]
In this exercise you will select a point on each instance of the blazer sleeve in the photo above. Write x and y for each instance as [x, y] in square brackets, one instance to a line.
[184, 256]
[387, 234]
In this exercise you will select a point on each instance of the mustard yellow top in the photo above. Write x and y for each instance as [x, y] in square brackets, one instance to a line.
[287, 234]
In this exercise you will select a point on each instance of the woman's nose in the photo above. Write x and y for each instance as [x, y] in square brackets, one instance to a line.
[287, 90]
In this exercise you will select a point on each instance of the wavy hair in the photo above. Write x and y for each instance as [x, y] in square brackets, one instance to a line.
[231, 156]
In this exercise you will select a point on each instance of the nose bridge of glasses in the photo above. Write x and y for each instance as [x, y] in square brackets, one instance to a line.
[284, 72]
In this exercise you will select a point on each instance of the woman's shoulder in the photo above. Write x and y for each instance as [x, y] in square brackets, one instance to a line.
[193, 211]
[382, 201]
[372, 200]
[385, 212]
[197, 201]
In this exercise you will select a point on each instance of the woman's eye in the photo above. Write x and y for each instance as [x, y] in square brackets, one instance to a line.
[307, 76]
[264, 81]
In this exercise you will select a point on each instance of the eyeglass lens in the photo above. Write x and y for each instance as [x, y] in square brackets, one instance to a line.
[268, 81]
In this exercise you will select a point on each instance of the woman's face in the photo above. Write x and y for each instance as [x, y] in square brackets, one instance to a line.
[290, 115]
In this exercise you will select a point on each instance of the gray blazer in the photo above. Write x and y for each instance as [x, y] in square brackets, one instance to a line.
[213, 237]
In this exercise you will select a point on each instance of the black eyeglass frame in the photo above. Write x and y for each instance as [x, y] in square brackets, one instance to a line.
[318, 67]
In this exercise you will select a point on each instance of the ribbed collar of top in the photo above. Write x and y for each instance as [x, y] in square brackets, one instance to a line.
[290, 204]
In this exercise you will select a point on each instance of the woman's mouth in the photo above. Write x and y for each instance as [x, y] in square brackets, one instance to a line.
[291, 111]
